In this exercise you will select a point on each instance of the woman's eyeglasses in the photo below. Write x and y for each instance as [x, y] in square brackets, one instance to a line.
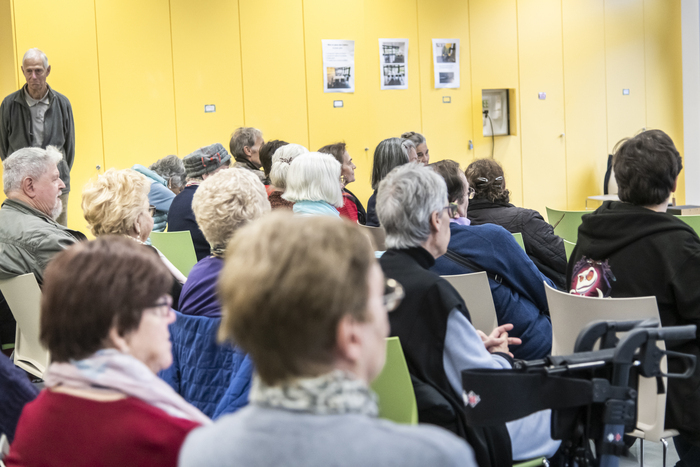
[393, 294]
[162, 307]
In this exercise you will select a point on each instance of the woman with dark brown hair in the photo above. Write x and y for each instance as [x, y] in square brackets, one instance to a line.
[491, 205]
[105, 312]
[352, 207]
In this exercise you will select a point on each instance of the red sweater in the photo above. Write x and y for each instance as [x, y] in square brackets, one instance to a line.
[61, 430]
[349, 209]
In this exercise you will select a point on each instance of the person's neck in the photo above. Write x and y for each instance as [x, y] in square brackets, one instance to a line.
[21, 197]
[102, 395]
[658, 207]
[37, 95]
[431, 246]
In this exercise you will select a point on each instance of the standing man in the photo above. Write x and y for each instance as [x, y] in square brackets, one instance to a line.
[38, 116]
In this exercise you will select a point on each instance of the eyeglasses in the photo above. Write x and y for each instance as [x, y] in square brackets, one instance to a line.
[152, 210]
[453, 209]
[393, 294]
[471, 193]
[162, 307]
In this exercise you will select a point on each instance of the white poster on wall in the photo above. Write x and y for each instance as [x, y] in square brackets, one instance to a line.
[393, 63]
[338, 66]
[446, 63]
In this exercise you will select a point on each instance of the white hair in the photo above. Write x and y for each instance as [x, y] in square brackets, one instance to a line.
[28, 163]
[36, 53]
[281, 160]
[314, 177]
[407, 197]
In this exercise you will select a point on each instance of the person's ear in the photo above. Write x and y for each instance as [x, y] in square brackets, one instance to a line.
[435, 221]
[247, 151]
[48, 70]
[348, 340]
[28, 187]
[118, 342]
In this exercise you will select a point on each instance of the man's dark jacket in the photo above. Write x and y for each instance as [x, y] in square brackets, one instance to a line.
[652, 253]
[59, 130]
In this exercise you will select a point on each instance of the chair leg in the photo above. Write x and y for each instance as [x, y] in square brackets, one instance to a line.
[641, 452]
[664, 443]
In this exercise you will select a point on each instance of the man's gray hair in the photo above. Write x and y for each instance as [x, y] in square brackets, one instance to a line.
[407, 197]
[28, 162]
[242, 137]
[172, 169]
[36, 53]
[281, 160]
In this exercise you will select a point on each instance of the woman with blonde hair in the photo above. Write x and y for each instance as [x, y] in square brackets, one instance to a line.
[116, 203]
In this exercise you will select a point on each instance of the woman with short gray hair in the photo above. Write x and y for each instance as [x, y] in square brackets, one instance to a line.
[314, 186]
[281, 161]
[390, 153]
[172, 170]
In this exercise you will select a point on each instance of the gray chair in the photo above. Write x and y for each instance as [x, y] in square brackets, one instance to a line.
[476, 293]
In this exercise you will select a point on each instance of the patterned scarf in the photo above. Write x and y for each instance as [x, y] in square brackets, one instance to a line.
[334, 393]
[109, 369]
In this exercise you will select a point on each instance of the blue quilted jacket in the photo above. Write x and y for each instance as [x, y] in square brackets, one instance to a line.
[213, 377]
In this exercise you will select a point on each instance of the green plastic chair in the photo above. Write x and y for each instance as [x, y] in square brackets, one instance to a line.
[177, 247]
[565, 223]
[397, 401]
[519, 238]
[532, 463]
[692, 221]
[569, 247]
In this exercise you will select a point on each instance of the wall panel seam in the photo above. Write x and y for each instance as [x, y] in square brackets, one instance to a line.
[644, 44]
[172, 68]
[306, 75]
[240, 46]
[13, 19]
[420, 87]
[563, 87]
[605, 64]
[99, 88]
[520, 107]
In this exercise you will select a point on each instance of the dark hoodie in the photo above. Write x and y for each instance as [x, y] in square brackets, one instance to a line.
[650, 253]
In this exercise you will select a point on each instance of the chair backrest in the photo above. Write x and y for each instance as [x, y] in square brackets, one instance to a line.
[476, 293]
[397, 401]
[569, 248]
[571, 313]
[519, 238]
[692, 221]
[177, 247]
[24, 298]
[377, 236]
[565, 223]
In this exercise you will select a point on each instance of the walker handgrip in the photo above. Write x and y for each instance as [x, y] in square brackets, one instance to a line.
[675, 333]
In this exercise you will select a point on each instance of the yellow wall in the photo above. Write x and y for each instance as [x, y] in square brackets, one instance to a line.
[139, 74]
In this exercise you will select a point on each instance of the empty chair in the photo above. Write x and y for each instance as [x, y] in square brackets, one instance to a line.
[23, 297]
[569, 247]
[177, 247]
[565, 223]
[476, 293]
[571, 313]
[519, 238]
[397, 401]
[377, 236]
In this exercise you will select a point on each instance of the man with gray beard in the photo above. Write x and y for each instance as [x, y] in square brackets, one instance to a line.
[29, 233]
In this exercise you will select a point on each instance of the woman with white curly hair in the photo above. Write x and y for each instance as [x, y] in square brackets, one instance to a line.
[281, 161]
[314, 185]
[223, 203]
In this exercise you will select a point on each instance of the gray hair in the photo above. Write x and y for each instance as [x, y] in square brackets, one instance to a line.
[36, 53]
[407, 197]
[172, 169]
[28, 163]
[242, 137]
[389, 153]
[281, 160]
[415, 138]
[314, 176]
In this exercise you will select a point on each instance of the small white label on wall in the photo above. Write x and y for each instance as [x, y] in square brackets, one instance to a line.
[542, 95]
[209, 108]
[625, 92]
[337, 104]
[446, 99]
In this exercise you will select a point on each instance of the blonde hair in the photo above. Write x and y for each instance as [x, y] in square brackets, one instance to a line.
[112, 203]
[226, 201]
[284, 289]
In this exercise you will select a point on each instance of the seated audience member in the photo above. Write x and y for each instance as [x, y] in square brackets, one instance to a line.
[199, 165]
[15, 392]
[116, 203]
[29, 233]
[245, 147]
[159, 196]
[515, 282]
[106, 326]
[281, 161]
[314, 186]
[433, 322]
[352, 207]
[390, 153]
[636, 249]
[172, 170]
[266, 152]
[316, 344]
[491, 205]
[422, 151]
[223, 203]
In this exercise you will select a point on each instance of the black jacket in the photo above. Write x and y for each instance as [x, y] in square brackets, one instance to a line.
[652, 253]
[372, 219]
[181, 218]
[544, 248]
[420, 322]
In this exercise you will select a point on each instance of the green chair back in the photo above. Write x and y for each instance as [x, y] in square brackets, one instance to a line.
[397, 401]
[532, 463]
[692, 221]
[569, 247]
[565, 223]
[177, 247]
[519, 238]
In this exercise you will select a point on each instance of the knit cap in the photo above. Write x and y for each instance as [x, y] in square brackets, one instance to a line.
[205, 160]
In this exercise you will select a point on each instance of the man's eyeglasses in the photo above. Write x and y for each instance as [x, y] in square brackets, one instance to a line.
[393, 294]
[152, 210]
[453, 209]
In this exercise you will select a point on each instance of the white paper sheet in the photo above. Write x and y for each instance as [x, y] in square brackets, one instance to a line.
[393, 63]
[446, 63]
[338, 66]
